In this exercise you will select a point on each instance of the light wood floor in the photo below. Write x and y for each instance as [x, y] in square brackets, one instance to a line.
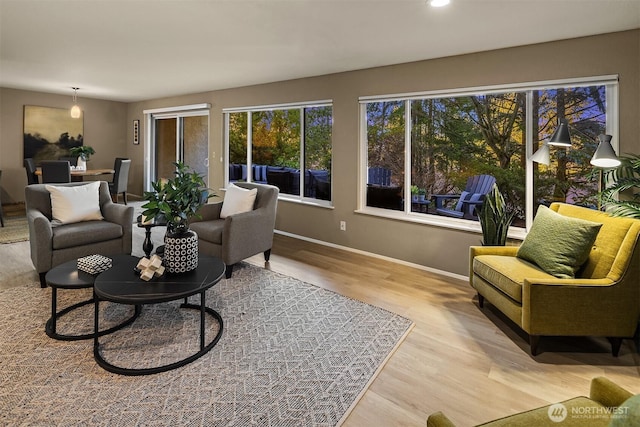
[472, 364]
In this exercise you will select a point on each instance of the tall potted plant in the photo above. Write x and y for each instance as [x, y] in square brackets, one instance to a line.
[623, 181]
[177, 200]
[495, 219]
[83, 152]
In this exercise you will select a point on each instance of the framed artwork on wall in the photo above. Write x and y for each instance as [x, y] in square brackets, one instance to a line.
[49, 133]
[136, 132]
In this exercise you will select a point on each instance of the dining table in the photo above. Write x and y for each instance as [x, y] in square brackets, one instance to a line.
[79, 174]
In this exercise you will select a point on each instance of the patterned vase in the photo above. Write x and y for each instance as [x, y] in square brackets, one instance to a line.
[180, 251]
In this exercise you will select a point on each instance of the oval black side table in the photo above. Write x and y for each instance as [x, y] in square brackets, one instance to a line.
[121, 285]
[67, 276]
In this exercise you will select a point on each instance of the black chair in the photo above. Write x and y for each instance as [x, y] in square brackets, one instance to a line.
[56, 172]
[30, 167]
[1, 213]
[73, 161]
[120, 179]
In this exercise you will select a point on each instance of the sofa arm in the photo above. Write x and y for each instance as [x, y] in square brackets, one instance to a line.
[438, 419]
[246, 234]
[40, 240]
[208, 212]
[474, 251]
[118, 214]
[608, 393]
[599, 307]
[122, 215]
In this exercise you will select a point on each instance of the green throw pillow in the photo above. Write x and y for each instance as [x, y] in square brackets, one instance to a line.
[558, 244]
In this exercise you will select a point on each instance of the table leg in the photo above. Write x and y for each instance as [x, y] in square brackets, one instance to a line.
[96, 328]
[202, 307]
[54, 308]
[147, 245]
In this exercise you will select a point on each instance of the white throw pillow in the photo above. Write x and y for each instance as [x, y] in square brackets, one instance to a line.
[237, 200]
[75, 204]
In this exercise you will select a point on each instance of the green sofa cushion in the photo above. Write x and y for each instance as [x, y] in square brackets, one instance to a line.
[558, 244]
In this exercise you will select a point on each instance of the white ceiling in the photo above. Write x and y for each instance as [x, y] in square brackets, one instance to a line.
[144, 49]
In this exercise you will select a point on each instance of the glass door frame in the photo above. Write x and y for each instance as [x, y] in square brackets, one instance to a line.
[150, 136]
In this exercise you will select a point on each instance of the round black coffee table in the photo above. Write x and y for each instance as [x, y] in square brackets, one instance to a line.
[67, 276]
[120, 284]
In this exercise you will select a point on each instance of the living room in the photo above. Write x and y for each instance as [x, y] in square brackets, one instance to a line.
[409, 255]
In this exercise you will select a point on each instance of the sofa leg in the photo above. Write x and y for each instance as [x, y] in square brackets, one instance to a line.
[616, 342]
[124, 197]
[480, 300]
[267, 254]
[534, 340]
[229, 271]
[43, 282]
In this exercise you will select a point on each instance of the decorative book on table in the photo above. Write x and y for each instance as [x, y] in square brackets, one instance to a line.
[94, 264]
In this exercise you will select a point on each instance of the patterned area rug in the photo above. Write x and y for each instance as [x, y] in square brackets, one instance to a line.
[291, 354]
[15, 229]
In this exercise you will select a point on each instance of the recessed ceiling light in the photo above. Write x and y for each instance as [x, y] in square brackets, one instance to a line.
[439, 3]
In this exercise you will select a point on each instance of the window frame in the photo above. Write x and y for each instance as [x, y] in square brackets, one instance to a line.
[275, 107]
[611, 83]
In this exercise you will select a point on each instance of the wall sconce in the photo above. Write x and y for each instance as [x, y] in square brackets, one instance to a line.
[75, 110]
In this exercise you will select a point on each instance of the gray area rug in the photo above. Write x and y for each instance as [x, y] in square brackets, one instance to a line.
[291, 354]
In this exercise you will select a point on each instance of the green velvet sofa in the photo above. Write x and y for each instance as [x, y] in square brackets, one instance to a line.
[602, 300]
[607, 404]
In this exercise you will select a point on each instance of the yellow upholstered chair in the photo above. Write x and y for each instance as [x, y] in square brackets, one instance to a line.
[608, 405]
[602, 300]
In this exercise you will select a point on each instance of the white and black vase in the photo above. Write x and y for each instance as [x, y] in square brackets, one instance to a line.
[180, 251]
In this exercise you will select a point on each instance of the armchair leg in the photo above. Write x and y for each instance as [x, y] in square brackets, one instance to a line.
[229, 271]
[480, 301]
[43, 282]
[267, 254]
[616, 342]
[534, 340]
[124, 197]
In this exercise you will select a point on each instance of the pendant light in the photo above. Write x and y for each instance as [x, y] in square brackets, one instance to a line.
[75, 110]
[605, 156]
[561, 137]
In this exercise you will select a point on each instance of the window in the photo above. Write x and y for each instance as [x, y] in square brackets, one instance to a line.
[286, 146]
[432, 157]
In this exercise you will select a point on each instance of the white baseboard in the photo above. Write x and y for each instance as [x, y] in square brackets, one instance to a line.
[374, 255]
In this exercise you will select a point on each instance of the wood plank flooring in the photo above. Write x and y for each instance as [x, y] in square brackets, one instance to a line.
[473, 364]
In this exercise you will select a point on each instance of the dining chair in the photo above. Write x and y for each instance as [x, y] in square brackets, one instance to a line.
[120, 179]
[56, 171]
[73, 161]
[30, 167]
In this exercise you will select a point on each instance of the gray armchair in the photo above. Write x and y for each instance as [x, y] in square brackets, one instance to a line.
[239, 236]
[52, 245]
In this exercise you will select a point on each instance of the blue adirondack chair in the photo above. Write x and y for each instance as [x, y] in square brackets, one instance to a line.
[469, 201]
[379, 176]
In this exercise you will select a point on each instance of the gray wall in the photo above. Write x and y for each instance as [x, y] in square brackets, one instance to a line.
[435, 247]
[104, 130]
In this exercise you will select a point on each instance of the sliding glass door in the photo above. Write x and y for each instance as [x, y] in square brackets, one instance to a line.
[179, 137]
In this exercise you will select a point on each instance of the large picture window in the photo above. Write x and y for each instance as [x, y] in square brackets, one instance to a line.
[433, 157]
[286, 146]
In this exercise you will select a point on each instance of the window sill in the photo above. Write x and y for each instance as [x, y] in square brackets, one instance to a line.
[308, 202]
[437, 221]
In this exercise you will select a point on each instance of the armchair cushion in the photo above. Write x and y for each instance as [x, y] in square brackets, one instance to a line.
[237, 200]
[558, 244]
[84, 233]
[75, 204]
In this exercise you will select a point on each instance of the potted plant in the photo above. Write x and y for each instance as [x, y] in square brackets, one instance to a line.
[624, 180]
[422, 194]
[177, 200]
[494, 219]
[83, 152]
[414, 193]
